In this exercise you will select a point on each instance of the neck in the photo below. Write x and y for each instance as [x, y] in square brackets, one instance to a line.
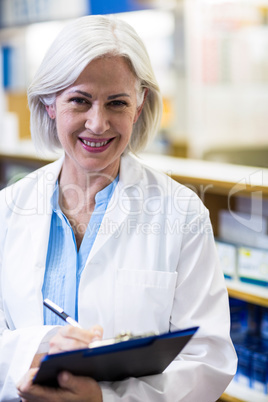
[79, 188]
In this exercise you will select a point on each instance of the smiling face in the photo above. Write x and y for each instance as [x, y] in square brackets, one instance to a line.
[95, 116]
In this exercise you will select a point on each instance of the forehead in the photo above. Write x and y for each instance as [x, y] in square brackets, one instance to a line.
[107, 71]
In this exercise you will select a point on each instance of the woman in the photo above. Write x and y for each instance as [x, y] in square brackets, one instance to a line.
[116, 244]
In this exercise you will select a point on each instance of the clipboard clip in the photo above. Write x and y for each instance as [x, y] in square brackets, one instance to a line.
[122, 337]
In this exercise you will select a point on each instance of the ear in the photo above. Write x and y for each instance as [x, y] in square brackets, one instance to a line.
[51, 110]
[139, 109]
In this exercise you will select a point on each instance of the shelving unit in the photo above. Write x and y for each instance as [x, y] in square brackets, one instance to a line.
[14, 165]
[218, 184]
[227, 104]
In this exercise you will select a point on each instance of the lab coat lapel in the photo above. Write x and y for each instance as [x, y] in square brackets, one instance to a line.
[40, 222]
[35, 248]
[33, 270]
[120, 204]
[25, 271]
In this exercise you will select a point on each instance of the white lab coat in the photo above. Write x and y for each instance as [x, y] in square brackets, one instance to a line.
[153, 267]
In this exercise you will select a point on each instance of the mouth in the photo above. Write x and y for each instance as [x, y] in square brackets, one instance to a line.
[97, 145]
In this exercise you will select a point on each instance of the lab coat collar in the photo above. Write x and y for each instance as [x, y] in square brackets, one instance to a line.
[47, 177]
[130, 174]
[130, 171]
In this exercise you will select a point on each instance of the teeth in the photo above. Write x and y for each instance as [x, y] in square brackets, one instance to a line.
[95, 144]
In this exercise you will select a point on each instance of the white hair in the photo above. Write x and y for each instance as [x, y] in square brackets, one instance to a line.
[80, 42]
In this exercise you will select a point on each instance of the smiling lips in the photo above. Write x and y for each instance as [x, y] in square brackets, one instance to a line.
[100, 145]
[95, 144]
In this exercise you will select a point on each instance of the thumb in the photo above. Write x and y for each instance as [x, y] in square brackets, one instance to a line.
[67, 381]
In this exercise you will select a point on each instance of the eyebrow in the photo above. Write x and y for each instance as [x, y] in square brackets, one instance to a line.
[109, 97]
[117, 96]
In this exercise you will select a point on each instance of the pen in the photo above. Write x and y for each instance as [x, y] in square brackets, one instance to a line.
[59, 311]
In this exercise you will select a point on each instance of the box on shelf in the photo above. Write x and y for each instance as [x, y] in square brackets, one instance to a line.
[264, 326]
[259, 372]
[244, 204]
[243, 374]
[248, 332]
[227, 256]
[252, 265]
[252, 368]
[243, 228]
[239, 319]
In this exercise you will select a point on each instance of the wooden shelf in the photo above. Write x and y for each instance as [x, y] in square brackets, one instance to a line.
[239, 393]
[228, 398]
[218, 178]
[248, 297]
[23, 162]
[25, 152]
[250, 293]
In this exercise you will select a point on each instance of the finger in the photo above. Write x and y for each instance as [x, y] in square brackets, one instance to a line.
[36, 393]
[82, 335]
[26, 381]
[42, 394]
[67, 381]
[70, 338]
[97, 330]
[80, 387]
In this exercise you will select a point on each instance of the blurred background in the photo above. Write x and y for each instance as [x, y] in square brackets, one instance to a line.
[210, 58]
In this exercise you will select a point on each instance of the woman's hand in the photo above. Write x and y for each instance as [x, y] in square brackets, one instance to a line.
[70, 338]
[72, 388]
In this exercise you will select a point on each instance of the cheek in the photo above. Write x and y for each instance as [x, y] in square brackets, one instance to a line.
[125, 123]
[66, 121]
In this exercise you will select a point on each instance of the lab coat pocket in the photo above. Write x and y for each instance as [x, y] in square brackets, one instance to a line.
[144, 300]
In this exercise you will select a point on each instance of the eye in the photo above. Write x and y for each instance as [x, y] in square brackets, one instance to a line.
[79, 101]
[118, 103]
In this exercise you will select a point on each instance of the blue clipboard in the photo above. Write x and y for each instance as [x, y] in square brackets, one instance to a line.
[135, 357]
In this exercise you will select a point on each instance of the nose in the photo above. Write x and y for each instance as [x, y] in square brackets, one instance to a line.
[97, 120]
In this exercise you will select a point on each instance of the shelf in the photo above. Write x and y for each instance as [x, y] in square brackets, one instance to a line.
[250, 293]
[228, 398]
[239, 393]
[25, 151]
[219, 178]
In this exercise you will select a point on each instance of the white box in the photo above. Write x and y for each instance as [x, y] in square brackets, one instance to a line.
[243, 229]
[252, 265]
[227, 254]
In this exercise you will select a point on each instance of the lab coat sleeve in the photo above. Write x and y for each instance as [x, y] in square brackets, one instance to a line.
[18, 346]
[17, 349]
[207, 364]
